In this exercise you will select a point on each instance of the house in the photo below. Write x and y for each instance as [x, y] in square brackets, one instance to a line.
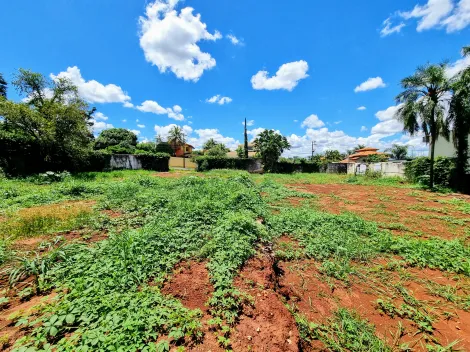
[251, 151]
[361, 154]
[181, 150]
[444, 148]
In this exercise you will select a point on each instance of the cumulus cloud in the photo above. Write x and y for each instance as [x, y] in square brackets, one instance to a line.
[234, 40]
[198, 137]
[248, 123]
[141, 126]
[100, 116]
[99, 126]
[453, 15]
[361, 108]
[136, 132]
[170, 40]
[287, 77]
[388, 124]
[93, 91]
[388, 28]
[155, 108]
[312, 122]
[217, 99]
[364, 129]
[370, 84]
[458, 66]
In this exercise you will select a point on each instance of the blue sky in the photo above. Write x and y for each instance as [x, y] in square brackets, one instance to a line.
[300, 67]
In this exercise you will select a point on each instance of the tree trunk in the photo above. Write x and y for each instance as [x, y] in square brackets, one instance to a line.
[433, 144]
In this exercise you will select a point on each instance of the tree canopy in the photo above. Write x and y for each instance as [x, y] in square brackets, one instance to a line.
[116, 138]
[422, 104]
[270, 145]
[398, 152]
[52, 123]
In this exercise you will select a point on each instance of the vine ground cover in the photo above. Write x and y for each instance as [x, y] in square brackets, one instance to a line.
[272, 273]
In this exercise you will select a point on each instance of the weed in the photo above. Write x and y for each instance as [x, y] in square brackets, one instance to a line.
[345, 331]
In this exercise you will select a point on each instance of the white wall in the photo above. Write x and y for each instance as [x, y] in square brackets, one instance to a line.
[388, 169]
[444, 148]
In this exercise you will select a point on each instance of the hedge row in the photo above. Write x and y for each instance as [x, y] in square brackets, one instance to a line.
[206, 163]
[417, 171]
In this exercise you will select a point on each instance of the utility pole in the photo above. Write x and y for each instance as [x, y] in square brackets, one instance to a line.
[314, 143]
[246, 142]
[184, 152]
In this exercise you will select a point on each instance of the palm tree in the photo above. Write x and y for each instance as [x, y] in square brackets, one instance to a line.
[176, 137]
[459, 119]
[398, 152]
[422, 105]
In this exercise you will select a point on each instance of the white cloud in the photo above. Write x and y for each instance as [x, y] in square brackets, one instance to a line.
[361, 108]
[248, 123]
[136, 132]
[460, 17]
[124, 120]
[170, 40]
[287, 77]
[100, 116]
[370, 84]
[453, 15]
[312, 122]
[388, 124]
[430, 14]
[155, 108]
[296, 121]
[93, 91]
[141, 126]
[219, 100]
[198, 137]
[128, 105]
[99, 126]
[337, 122]
[136, 120]
[234, 40]
[364, 129]
[389, 29]
[458, 66]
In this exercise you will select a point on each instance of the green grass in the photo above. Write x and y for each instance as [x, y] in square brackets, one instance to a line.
[345, 331]
[110, 293]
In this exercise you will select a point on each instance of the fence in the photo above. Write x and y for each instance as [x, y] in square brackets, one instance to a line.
[388, 169]
[182, 163]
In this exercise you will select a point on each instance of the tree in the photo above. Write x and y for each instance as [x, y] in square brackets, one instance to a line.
[398, 152]
[245, 145]
[118, 140]
[270, 145]
[422, 107]
[146, 146]
[175, 137]
[355, 149]
[331, 156]
[51, 125]
[164, 147]
[376, 158]
[3, 87]
[210, 143]
[240, 152]
[459, 120]
[218, 150]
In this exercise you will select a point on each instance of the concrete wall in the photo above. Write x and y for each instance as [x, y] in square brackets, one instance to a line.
[444, 148]
[387, 169]
[337, 168]
[179, 162]
[124, 161]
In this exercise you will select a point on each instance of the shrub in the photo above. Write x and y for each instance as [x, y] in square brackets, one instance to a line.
[51, 176]
[207, 162]
[418, 170]
[154, 161]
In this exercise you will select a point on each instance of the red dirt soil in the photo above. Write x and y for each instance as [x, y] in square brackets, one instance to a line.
[392, 205]
[268, 325]
[190, 284]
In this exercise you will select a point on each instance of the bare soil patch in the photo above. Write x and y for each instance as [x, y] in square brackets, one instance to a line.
[267, 325]
[419, 212]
